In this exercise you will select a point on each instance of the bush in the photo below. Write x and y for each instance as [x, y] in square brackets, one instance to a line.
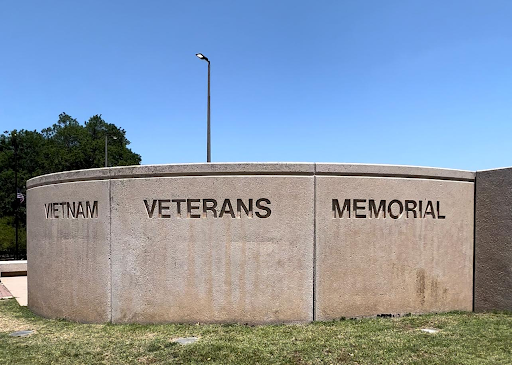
[8, 235]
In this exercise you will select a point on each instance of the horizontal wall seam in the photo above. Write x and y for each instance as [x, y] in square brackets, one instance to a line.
[403, 176]
[220, 174]
[118, 177]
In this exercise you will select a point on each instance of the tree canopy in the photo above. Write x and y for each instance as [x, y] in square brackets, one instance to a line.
[66, 145]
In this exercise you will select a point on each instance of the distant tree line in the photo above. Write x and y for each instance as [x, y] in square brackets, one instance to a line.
[66, 145]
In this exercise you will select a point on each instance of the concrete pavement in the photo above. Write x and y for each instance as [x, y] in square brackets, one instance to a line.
[16, 287]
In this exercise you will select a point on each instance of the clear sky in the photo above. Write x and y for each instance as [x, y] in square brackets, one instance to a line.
[425, 83]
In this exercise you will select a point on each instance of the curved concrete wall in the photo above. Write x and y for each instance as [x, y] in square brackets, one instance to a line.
[250, 243]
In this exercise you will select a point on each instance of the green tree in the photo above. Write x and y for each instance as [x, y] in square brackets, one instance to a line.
[66, 145]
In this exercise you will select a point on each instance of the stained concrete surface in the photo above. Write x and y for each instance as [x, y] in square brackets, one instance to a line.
[371, 265]
[69, 257]
[195, 268]
[248, 269]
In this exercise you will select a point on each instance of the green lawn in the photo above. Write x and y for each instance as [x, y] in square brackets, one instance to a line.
[464, 338]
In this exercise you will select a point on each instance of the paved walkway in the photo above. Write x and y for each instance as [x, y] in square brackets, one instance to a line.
[16, 287]
[4, 292]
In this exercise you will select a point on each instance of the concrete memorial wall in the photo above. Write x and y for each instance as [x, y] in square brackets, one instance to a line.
[493, 238]
[396, 240]
[249, 242]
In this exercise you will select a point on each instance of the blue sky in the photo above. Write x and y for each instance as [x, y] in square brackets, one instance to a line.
[425, 83]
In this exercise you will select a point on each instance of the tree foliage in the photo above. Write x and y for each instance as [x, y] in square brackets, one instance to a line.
[66, 145]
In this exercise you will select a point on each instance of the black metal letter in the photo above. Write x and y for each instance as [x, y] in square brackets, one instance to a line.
[178, 205]
[429, 204]
[439, 216]
[240, 205]
[357, 207]
[390, 211]
[190, 207]
[161, 208]
[148, 210]
[259, 206]
[408, 209]
[212, 208]
[336, 208]
[223, 210]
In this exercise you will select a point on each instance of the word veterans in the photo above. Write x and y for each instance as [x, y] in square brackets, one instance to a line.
[368, 208]
[71, 210]
[203, 208]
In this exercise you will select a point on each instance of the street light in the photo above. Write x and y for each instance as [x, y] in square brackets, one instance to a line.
[14, 141]
[208, 148]
[106, 149]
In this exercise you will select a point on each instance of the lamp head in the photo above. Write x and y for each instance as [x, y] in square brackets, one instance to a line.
[203, 57]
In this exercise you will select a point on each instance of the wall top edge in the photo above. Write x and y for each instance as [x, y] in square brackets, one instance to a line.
[393, 171]
[496, 169]
[251, 168]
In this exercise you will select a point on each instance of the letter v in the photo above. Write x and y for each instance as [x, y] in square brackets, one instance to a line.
[48, 208]
[152, 210]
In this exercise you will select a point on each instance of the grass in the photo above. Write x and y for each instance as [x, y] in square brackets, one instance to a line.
[464, 338]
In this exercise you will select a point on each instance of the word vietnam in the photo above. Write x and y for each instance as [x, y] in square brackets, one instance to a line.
[71, 210]
[202, 208]
[368, 208]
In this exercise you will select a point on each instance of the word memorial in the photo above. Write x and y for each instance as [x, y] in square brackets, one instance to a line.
[202, 208]
[368, 208]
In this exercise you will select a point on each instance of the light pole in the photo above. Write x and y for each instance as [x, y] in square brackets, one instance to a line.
[16, 212]
[208, 147]
[106, 149]
[14, 141]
